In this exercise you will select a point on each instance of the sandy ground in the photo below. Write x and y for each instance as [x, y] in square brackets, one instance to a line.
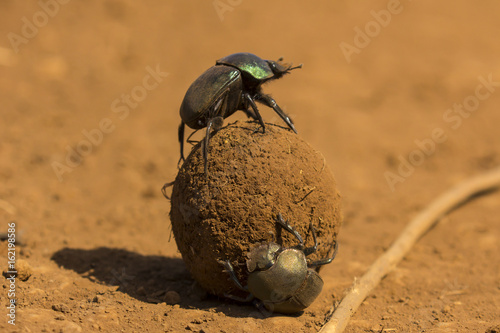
[401, 97]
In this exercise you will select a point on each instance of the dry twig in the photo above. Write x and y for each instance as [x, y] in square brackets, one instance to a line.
[415, 229]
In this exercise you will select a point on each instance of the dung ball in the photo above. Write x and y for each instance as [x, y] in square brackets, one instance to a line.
[252, 177]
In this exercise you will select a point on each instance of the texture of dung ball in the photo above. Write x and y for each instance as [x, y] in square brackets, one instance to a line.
[252, 176]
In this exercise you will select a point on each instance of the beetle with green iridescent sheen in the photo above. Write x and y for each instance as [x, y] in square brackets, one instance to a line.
[233, 84]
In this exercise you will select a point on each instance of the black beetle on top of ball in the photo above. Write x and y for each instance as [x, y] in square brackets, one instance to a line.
[281, 278]
[233, 84]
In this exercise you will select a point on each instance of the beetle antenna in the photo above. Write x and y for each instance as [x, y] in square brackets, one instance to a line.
[296, 67]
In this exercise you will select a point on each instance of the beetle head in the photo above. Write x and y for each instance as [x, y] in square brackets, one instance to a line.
[280, 68]
[262, 257]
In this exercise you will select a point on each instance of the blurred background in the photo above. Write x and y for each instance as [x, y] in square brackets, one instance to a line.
[401, 97]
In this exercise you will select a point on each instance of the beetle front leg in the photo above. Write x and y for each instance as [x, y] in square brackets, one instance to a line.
[269, 101]
[285, 225]
[325, 261]
[250, 114]
[230, 270]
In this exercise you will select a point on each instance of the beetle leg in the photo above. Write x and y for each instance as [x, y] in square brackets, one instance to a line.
[250, 114]
[205, 146]
[263, 307]
[285, 225]
[247, 299]
[249, 99]
[230, 270]
[325, 261]
[191, 141]
[220, 109]
[216, 123]
[245, 107]
[180, 134]
[269, 101]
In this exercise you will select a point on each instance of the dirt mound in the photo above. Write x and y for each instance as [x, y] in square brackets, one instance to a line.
[252, 176]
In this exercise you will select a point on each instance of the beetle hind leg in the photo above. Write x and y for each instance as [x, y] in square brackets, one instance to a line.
[215, 123]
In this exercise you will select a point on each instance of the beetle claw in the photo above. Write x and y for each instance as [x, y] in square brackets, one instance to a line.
[257, 130]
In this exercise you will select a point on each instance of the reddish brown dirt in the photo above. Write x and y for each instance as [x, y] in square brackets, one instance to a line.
[97, 238]
[251, 177]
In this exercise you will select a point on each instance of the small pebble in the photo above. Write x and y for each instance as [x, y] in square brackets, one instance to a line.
[141, 291]
[494, 329]
[60, 307]
[172, 297]
[98, 299]
[23, 270]
[59, 317]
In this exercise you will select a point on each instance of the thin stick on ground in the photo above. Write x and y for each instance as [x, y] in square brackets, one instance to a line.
[415, 229]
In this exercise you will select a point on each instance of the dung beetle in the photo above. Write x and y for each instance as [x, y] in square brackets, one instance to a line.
[233, 84]
[281, 278]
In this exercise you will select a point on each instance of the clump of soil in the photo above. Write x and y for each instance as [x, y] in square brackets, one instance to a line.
[252, 176]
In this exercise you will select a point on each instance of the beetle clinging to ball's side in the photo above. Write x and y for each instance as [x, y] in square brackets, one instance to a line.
[282, 278]
[233, 84]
